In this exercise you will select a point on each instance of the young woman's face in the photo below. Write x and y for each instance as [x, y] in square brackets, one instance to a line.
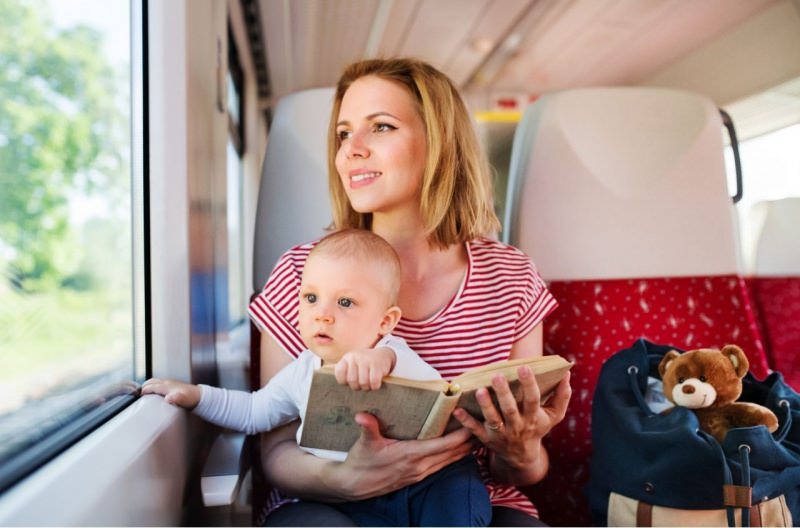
[381, 159]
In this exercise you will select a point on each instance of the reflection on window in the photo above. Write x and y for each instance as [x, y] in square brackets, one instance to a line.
[67, 244]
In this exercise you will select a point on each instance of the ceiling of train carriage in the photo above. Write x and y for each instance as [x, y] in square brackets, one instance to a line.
[530, 46]
[490, 47]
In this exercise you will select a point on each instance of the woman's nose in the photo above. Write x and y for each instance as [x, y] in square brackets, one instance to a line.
[357, 146]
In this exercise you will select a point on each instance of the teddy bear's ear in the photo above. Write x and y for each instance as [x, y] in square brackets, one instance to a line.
[666, 360]
[736, 356]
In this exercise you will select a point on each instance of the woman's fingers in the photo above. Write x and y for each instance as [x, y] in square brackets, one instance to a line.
[557, 406]
[388, 465]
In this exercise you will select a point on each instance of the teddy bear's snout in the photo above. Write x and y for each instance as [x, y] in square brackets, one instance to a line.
[694, 394]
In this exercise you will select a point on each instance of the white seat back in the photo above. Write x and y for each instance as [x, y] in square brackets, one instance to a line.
[621, 182]
[293, 199]
[778, 249]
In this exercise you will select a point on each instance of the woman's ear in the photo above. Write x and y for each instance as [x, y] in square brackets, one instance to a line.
[390, 319]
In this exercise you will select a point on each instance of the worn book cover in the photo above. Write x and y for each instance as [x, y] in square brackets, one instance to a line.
[409, 409]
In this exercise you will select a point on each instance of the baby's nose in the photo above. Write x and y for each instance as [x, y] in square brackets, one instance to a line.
[324, 318]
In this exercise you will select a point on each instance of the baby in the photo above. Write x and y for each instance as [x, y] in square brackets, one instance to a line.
[348, 292]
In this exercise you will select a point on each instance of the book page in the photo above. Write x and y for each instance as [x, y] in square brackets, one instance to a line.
[548, 375]
[482, 376]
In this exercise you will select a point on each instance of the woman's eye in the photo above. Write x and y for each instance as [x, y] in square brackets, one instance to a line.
[345, 302]
[310, 297]
[343, 134]
[384, 127]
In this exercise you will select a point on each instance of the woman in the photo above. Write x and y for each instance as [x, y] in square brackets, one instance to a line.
[405, 163]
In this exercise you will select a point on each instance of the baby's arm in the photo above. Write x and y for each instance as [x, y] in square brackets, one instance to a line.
[177, 393]
[248, 412]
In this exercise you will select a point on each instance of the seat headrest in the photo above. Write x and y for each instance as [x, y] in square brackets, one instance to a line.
[293, 198]
[621, 182]
[778, 251]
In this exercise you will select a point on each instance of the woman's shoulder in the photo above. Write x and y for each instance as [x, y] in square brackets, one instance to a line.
[299, 253]
[290, 264]
[489, 249]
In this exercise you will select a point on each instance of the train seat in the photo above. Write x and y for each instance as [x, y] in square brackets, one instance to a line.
[619, 195]
[775, 286]
[295, 168]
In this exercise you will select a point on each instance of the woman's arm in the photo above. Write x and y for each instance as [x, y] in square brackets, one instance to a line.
[517, 454]
[374, 466]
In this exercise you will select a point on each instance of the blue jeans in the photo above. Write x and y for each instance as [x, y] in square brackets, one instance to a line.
[453, 496]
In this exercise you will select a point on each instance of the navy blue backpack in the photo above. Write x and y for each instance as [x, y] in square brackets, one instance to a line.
[650, 469]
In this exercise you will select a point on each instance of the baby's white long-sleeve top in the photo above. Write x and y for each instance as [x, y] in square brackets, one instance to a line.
[285, 397]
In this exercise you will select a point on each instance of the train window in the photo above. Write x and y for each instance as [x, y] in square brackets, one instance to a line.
[235, 176]
[72, 306]
[770, 165]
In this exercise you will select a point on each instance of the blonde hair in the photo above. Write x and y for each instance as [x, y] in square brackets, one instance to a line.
[456, 196]
[366, 246]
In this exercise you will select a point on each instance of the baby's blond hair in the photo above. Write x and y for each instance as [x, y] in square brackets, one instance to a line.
[366, 246]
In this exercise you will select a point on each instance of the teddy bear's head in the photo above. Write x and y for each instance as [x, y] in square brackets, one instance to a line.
[705, 377]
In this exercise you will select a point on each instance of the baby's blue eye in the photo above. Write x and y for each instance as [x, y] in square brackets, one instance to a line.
[310, 297]
[345, 302]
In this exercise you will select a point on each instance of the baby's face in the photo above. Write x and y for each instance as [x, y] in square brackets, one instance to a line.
[343, 305]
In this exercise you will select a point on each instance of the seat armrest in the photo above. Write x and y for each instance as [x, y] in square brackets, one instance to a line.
[224, 470]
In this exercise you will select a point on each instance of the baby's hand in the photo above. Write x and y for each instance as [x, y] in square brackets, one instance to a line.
[364, 369]
[177, 393]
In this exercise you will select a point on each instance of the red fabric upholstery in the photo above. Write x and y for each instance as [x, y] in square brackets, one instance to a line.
[776, 301]
[598, 318]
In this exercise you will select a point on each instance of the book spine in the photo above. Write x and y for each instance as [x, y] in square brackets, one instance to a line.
[439, 415]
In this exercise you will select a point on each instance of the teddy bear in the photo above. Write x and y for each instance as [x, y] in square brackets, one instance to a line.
[709, 382]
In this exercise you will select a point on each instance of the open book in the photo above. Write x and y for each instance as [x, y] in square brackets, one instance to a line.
[409, 409]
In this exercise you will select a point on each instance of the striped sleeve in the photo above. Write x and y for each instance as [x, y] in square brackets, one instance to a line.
[536, 303]
[275, 309]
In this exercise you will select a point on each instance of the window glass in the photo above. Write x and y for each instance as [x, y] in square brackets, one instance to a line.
[236, 283]
[770, 166]
[71, 292]
[770, 169]
[237, 300]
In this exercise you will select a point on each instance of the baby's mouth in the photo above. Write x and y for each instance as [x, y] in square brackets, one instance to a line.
[322, 338]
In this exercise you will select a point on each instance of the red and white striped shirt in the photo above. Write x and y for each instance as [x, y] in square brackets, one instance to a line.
[500, 300]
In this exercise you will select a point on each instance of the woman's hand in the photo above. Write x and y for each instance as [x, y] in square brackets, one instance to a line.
[377, 465]
[514, 432]
[374, 466]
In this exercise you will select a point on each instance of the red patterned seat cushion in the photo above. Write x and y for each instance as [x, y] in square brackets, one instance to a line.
[776, 300]
[600, 317]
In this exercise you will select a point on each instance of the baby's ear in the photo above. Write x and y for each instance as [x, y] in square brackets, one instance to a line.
[390, 319]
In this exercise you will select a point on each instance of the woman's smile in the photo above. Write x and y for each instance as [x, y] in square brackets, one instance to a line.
[360, 178]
